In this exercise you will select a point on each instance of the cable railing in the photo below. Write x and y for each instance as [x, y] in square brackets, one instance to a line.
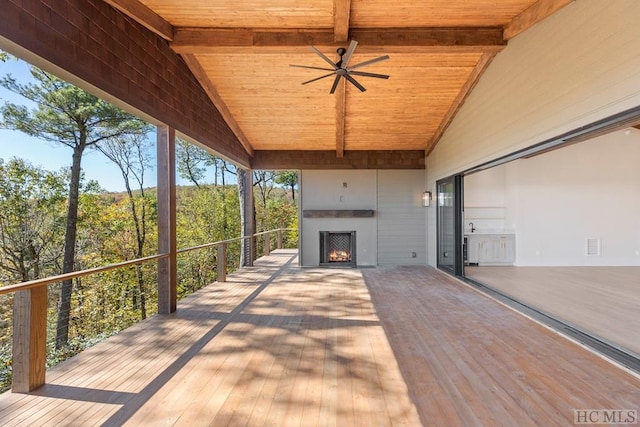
[35, 314]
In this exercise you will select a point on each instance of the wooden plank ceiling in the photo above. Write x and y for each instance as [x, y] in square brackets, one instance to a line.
[240, 50]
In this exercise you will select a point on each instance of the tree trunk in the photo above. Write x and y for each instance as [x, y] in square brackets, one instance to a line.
[140, 228]
[64, 305]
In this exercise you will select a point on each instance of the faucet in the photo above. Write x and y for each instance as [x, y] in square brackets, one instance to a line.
[472, 227]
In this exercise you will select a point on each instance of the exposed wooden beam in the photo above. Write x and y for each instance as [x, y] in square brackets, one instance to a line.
[341, 13]
[215, 97]
[326, 159]
[532, 15]
[203, 40]
[482, 65]
[144, 16]
[341, 113]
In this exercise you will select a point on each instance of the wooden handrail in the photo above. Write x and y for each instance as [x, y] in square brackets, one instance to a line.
[60, 277]
[30, 310]
[209, 245]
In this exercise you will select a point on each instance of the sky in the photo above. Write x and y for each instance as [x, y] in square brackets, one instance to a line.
[52, 156]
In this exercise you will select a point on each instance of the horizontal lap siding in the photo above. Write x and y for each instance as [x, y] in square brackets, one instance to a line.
[580, 65]
[401, 218]
[108, 52]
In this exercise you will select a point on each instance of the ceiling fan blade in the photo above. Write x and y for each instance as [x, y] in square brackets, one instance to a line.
[369, 62]
[311, 68]
[363, 74]
[335, 84]
[347, 55]
[354, 82]
[318, 78]
[322, 55]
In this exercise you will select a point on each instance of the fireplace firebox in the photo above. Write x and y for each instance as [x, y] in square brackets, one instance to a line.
[338, 249]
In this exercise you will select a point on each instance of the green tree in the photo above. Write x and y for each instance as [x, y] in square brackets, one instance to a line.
[205, 214]
[67, 115]
[288, 179]
[193, 162]
[264, 180]
[130, 153]
[31, 220]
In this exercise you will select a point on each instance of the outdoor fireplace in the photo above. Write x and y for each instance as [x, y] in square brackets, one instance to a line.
[338, 248]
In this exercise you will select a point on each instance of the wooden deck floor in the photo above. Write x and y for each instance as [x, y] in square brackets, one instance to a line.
[279, 345]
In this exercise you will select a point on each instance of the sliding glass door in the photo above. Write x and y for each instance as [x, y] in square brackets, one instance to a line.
[449, 218]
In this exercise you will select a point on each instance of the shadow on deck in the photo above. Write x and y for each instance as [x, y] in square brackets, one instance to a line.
[281, 345]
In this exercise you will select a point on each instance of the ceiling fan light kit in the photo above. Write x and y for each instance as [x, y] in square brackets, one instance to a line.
[341, 67]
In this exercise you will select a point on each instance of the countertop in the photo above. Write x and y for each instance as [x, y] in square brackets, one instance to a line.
[488, 232]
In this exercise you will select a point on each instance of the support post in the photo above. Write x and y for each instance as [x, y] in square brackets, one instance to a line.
[267, 244]
[245, 183]
[29, 339]
[279, 239]
[222, 262]
[167, 267]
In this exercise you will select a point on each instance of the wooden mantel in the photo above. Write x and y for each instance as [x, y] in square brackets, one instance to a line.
[338, 213]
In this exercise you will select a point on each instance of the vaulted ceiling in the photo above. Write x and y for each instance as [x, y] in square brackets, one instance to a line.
[240, 51]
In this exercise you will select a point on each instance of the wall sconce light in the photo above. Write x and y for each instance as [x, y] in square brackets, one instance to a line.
[426, 199]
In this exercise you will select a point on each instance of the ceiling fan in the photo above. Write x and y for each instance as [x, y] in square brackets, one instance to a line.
[342, 69]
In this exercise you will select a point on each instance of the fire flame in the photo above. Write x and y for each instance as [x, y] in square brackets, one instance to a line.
[339, 256]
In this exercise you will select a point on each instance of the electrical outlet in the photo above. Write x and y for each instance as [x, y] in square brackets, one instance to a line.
[414, 255]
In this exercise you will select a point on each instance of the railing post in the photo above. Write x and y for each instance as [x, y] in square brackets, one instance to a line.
[253, 248]
[279, 239]
[267, 244]
[29, 339]
[222, 262]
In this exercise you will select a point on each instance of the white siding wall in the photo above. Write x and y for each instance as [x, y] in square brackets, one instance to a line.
[579, 65]
[401, 218]
[326, 190]
[390, 237]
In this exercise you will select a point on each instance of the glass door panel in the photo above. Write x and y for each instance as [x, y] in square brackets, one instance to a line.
[449, 218]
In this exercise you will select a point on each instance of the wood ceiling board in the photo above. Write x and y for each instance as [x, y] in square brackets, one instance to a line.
[245, 13]
[406, 110]
[267, 100]
[435, 13]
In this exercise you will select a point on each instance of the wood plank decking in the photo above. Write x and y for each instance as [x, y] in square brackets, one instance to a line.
[279, 345]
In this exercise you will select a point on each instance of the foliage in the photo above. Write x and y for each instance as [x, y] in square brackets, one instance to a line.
[288, 179]
[32, 205]
[193, 162]
[53, 221]
[67, 115]
[205, 214]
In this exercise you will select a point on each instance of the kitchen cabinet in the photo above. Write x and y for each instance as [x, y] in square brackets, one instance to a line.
[491, 249]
